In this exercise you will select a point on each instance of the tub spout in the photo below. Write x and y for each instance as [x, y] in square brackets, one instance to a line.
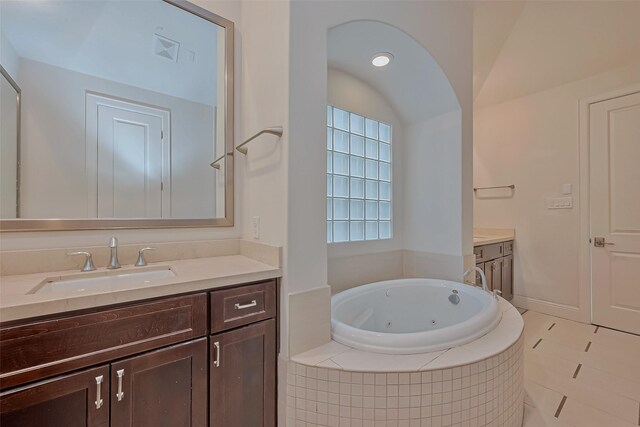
[482, 277]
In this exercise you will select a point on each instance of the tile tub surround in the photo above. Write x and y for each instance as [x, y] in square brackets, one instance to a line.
[479, 384]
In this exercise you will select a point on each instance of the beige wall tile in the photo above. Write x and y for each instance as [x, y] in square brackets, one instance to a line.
[309, 319]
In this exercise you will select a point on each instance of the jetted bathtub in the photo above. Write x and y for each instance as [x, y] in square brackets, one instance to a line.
[412, 315]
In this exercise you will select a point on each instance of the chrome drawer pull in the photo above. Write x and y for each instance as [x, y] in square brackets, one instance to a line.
[253, 303]
[216, 362]
[98, 401]
[120, 374]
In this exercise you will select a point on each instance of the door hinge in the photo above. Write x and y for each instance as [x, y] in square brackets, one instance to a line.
[161, 186]
[161, 134]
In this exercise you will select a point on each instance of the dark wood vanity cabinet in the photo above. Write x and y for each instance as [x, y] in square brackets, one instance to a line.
[167, 387]
[243, 358]
[80, 399]
[161, 363]
[496, 260]
[243, 378]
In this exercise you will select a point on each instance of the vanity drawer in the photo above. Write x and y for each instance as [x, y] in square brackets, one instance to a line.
[49, 347]
[240, 306]
[487, 252]
[508, 248]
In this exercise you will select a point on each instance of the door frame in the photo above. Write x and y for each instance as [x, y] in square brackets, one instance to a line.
[93, 100]
[585, 298]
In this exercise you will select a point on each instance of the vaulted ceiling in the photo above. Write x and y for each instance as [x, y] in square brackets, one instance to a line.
[525, 47]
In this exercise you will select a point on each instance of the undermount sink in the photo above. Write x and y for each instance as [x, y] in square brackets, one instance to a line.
[103, 281]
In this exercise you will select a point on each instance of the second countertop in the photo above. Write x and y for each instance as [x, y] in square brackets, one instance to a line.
[488, 236]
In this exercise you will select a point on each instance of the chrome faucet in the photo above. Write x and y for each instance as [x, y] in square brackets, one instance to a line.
[482, 277]
[113, 262]
[88, 260]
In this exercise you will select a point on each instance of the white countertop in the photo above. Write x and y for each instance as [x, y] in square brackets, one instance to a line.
[190, 275]
[487, 236]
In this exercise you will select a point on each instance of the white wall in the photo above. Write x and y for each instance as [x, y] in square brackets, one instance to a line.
[532, 142]
[53, 169]
[435, 241]
[353, 263]
[433, 183]
[8, 57]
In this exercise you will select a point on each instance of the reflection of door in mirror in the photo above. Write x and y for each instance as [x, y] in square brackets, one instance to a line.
[9, 145]
[128, 159]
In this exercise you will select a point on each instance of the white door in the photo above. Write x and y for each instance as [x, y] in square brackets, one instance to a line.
[615, 212]
[128, 164]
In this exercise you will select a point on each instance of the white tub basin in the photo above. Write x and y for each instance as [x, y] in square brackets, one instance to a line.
[103, 281]
[412, 316]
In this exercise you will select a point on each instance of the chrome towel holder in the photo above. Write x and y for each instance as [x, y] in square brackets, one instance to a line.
[275, 130]
[512, 186]
[216, 163]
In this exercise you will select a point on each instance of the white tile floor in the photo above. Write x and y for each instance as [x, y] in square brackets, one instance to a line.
[579, 375]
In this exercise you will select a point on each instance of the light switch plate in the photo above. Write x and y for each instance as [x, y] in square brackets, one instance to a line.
[566, 189]
[560, 203]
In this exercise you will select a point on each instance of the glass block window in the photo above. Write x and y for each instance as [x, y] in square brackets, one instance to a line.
[358, 178]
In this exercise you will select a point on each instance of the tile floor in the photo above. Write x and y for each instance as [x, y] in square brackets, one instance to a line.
[579, 375]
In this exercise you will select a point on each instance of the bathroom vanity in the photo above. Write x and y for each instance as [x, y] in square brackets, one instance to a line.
[494, 255]
[204, 356]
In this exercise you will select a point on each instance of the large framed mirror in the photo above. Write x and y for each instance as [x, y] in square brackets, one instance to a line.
[115, 114]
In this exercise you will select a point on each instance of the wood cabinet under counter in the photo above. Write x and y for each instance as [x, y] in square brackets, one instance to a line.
[496, 260]
[205, 358]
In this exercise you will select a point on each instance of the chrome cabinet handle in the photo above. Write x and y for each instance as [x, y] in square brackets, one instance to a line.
[253, 303]
[120, 394]
[98, 401]
[216, 362]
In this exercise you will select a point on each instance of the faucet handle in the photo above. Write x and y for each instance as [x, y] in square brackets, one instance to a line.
[141, 262]
[88, 260]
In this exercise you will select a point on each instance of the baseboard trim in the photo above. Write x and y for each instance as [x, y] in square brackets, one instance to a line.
[551, 308]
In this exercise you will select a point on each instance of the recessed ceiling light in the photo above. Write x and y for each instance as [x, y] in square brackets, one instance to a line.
[381, 59]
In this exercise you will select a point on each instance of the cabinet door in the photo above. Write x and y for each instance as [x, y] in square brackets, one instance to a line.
[163, 388]
[507, 277]
[76, 400]
[496, 274]
[478, 277]
[488, 272]
[243, 377]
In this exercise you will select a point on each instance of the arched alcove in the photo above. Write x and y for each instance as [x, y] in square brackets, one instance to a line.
[425, 114]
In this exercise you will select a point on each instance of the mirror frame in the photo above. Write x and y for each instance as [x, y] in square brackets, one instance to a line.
[13, 83]
[50, 224]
